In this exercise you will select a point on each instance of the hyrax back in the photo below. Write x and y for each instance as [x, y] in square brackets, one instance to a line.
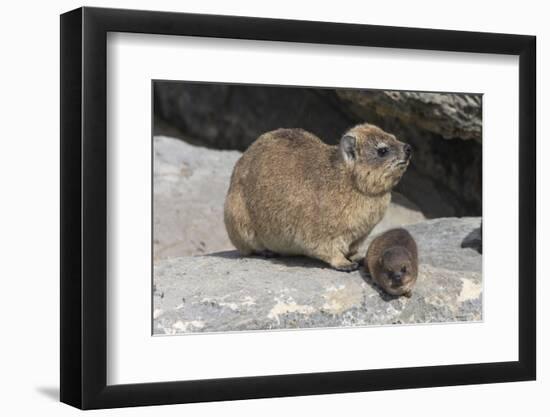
[292, 194]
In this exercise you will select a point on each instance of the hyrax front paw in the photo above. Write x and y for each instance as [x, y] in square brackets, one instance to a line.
[357, 258]
[349, 267]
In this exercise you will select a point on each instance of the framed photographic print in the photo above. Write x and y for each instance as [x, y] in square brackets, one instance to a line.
[257, 207]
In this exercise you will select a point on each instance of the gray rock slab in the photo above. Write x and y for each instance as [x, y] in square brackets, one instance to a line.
[226, 292]
[189, 188]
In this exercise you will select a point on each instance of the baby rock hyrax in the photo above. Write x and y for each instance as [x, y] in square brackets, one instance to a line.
[392, 261]
[292, 194]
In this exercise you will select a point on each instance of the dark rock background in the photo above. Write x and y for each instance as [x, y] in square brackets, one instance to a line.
[445, 130]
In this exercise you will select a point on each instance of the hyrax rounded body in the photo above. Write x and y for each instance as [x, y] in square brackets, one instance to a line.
[292, 194]
[392, 261]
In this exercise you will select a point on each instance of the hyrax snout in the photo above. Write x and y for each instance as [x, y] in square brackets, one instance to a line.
[292, 194]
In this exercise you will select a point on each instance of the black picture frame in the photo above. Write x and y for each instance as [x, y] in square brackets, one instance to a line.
[84, 207]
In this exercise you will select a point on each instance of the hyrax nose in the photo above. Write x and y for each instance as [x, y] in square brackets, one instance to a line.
[397, 276]
[408, 150]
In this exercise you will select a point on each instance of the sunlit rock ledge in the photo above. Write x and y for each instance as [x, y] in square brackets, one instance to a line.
[226, 292]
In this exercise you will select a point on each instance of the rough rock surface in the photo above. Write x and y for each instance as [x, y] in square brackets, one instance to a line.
[449, 115]
[444, 179]
[226, 292]
[189, 188]
[190, 184]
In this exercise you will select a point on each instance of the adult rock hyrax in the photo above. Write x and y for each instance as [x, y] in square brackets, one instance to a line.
[292, 194]
[392, 261]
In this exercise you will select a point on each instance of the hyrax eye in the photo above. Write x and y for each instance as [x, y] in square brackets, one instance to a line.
[382, 151]
[404, 269]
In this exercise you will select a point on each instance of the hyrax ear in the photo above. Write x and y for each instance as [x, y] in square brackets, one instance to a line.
[348, 148]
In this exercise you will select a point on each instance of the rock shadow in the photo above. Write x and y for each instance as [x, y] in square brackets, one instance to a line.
[288, 261]
[473, 240]
[226, 254]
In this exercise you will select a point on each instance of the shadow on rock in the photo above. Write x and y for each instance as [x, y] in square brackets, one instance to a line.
[473, 240]
[288, 261]
[227, 254]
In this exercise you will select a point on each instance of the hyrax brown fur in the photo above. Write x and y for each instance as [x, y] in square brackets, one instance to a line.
[392, 261]
[292, 194]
